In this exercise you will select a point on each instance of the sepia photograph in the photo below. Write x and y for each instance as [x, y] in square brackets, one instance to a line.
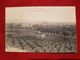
[41, 29]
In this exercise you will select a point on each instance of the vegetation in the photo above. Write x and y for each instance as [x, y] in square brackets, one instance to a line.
[53, 38]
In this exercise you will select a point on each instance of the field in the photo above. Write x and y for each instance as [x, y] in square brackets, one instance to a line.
[47, 38]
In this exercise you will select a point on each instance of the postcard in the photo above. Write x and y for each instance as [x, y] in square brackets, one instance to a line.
[41, 29]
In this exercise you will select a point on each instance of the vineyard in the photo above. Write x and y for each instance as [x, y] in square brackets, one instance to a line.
[42, 38]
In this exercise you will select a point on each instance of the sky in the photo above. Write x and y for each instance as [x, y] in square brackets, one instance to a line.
[40, 14]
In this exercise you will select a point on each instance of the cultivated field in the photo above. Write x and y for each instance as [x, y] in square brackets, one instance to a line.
[47, 38]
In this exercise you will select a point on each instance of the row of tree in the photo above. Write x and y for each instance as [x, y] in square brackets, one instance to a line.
[58, 29]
